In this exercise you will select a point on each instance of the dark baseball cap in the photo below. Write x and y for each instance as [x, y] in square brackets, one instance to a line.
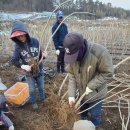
[72, 44]
[59, 14]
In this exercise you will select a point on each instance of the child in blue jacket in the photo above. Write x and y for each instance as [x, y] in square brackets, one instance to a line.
[27, 55]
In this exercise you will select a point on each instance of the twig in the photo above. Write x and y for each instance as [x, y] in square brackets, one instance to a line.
[97, 94]
[128, 119]
[59, 93]
[84, 94]
[80, 99]
[104, 100]
[122, 117]
[52, 14]
[115, 66]
[63, 21]
[64, 95]
[116, 106]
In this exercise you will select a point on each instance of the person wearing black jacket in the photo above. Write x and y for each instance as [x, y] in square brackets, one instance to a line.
[58, 39]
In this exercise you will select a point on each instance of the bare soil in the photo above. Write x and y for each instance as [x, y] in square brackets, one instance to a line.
[53, 114]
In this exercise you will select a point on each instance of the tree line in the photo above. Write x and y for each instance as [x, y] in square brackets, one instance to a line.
[96, 7]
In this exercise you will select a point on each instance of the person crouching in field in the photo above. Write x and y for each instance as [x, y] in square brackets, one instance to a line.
[26, 56]
[90, 67]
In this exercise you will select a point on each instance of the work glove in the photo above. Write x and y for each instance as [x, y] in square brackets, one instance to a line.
[1, 123]
[26, 68]
[71, 101]
[44, 53]
[57, 52]
[11, 127]
[88, 90]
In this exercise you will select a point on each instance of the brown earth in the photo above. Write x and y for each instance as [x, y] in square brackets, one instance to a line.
[53, 113]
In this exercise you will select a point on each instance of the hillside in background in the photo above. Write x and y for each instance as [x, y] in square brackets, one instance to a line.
[100, 9]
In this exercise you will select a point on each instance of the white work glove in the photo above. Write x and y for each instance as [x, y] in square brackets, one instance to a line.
[11, 127]
[26, 67]
[71, 101]
[88, 91]
[1, 123]
[44, 53]
[57, 52]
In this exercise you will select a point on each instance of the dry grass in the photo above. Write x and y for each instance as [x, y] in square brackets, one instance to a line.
[115, 35]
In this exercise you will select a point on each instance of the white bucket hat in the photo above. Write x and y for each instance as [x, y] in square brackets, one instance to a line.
[84, 125]
[2, 86]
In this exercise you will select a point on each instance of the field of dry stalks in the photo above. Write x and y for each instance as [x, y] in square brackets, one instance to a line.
[54, 113]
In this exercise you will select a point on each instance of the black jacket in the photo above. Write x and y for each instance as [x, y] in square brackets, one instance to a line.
[59, 36]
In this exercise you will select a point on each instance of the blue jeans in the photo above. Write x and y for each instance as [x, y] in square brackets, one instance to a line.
[32, 81]
[93, 114]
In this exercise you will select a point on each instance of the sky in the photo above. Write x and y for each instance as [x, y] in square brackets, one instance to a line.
[118, 3]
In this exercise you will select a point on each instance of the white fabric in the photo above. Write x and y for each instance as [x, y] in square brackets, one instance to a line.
[26, 67]
[1, 123]
[88, 91]
[44, 53]
[84, 125]
[57, 52]
[71, 101]
[11, 127]
[2, 86]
